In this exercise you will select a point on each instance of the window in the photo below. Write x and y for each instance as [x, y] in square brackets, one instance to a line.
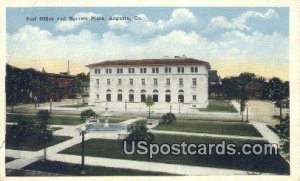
[108, 97]
[143, 70]
[131, 95]
[143, 82]
[97, 83]
[97, 96]
[155, 81]
[194, 98]
[180, 69]
[108, 81]
[180, 81]
[168, 70]
[119, 70]
[194, 82]
[97, 71]
[119, 95]
[155, 96]
[108, 71]
[155, 70]
[131, 70]
[180, 96]
[168, 81]
[143, 96]
[131, 81]
[119, 81]
[194, 69]
[168, 96]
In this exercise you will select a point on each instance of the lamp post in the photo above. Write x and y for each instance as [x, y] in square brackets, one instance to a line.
[83, 132]
[50, 105]
[35, 102]
[247, 118]
[179, 101]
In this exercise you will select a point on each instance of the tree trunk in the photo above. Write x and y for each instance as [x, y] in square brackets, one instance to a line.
[280, 112]
[149, 113]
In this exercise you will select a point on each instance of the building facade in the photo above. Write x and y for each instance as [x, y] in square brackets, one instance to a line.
[176, 85]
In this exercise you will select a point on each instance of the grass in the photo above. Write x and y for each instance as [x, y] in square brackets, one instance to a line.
[258, 163]
[32, 143]
[9, 159]
[74, 169]
[58, 120]
[220, 106]
[213, 127]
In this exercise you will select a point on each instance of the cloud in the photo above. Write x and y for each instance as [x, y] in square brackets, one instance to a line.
[240, 23]
[33, 43]
[181, 16]
[81, 17]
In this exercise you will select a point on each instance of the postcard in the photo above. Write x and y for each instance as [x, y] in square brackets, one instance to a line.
[150, 91]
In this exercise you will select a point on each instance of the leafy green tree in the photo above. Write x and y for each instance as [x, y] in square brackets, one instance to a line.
[283, 131]
[43, 118]
[168, 118]
[87, 114]
[139, 132]
[149, 103]
[277, 92]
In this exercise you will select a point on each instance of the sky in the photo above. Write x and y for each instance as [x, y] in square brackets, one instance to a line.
[232, 40]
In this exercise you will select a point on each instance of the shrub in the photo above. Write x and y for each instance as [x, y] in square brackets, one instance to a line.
[139, 132]
[87, 114]
[168, 118]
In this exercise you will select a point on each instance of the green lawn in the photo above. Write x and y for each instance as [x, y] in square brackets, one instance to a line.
[9, 159]
[219, 106]
[59, 120]
[214, 127]
[74, 169]
[32, 143]
[261, 163]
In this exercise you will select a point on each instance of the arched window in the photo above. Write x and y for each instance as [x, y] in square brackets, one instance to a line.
[168, 96]
[119, 96]
[180, 96]
[143, 95]
[131, 95]
[155, 95]
[108, 95]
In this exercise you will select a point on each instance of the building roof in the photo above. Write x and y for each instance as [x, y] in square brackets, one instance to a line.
[150, 62]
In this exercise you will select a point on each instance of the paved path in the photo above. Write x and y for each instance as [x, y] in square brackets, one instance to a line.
[268, 134]
[146, 166]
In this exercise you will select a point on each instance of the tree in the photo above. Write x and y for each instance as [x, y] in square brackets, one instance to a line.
[283, 130]
[43, 124]
[149, 103]
[139, 132]
[277, 91]
[168, 118]
[87, 114]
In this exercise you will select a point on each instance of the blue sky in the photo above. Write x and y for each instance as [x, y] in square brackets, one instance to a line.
[253, 37]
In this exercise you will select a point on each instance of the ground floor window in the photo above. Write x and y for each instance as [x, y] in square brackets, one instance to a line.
[143, 97]
[119, 97]
[168, 98]
[194, 98]
[155, 98]
[131, 98]
[108, 97]
[180, 98]
[97, 96]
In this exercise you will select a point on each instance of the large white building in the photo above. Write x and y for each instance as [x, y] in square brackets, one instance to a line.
[176, 85]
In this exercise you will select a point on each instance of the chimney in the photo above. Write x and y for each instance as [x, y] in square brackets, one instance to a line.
[68, 72]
